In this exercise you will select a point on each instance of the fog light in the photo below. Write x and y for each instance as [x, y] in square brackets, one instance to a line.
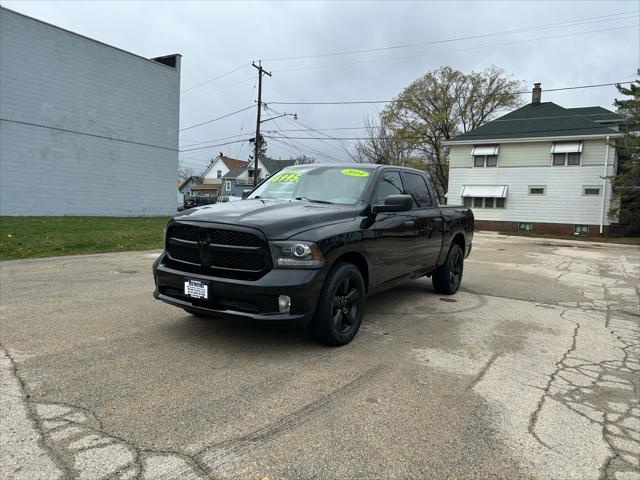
[284, 303]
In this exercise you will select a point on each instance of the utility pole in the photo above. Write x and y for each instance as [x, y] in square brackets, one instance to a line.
[258, 140]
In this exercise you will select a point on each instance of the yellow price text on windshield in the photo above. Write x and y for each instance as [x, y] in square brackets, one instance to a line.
[285, 177]
[354, 173]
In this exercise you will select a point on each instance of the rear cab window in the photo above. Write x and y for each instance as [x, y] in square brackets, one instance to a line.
[418, 189]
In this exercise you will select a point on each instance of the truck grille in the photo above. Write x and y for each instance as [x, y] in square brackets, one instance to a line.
[217, 251]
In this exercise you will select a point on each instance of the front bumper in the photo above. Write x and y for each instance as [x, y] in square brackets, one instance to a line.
[250, 299]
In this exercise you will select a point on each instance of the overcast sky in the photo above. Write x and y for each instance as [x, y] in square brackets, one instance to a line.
[217, 37]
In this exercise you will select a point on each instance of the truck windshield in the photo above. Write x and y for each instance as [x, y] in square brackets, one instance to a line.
[315, 184]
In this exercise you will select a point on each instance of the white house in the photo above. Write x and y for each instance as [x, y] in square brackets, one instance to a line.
[540, 168]
[212, 177]
[93, 129]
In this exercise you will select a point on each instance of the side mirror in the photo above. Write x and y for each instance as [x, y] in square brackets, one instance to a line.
[245, 193]
[394, 203]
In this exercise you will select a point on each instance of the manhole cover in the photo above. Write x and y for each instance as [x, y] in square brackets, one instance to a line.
[452, 300]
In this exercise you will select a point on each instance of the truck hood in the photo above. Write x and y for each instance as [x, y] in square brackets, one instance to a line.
[277, 219]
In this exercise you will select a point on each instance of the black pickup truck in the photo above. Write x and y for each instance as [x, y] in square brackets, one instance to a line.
[310, 243]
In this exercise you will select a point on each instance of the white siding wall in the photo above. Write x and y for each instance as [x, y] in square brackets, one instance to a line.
[523, 164]
[563, 201]
[54, 78]
[211, 175]
[245, 174]
[530, 154]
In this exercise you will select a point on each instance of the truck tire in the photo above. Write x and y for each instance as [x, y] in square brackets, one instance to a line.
[340, 307]
[448, 276]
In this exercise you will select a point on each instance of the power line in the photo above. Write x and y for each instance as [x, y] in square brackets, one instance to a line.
[309, 129]
[244, 121]
[585, 86]
[235, 84]
[213, 140]
[213, 146]
[316, 129]
[214, 78]
[297, 146]
[217, 118]
[122, 140]
[357, 102]
[467, 134]
[599, 18]
[305, 150]
[315, 151]
[453, 51]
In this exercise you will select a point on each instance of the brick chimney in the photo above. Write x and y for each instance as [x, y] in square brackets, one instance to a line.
[536, 93]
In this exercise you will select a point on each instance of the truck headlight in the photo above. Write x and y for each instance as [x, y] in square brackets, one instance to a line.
[296, 254]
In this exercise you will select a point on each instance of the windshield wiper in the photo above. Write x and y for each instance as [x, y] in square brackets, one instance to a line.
[314, 200]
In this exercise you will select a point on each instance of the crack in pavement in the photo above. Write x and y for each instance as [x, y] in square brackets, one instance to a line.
[603, 392]
[478, 378]
[220, 458]
[533, 418]
[23, 424]
[76, 440]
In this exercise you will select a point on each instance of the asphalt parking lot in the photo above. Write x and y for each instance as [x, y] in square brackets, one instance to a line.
[531, 371]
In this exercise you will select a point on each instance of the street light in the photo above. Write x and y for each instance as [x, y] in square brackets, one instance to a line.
[294, 115]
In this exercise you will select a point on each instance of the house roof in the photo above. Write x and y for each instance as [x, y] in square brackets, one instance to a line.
[206, 186]
[191, 178]
[235, 172]
[541, 120]
[598, 114]
[272, 165]
[233, 163]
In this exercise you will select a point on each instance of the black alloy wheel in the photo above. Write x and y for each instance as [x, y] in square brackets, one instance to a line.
[345, 306]
[340, 307]
[455, 274]
[448, 276]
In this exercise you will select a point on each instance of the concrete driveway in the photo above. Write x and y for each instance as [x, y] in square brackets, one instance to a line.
[531, 371]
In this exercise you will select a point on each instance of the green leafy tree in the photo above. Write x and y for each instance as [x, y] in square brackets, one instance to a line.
[444, 103]
[626, 183]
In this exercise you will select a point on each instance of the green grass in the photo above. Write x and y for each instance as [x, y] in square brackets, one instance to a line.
[620, 240]
[27, 237]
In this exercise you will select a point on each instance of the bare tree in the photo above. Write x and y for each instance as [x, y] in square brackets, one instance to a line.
[444, 103]
[303, 159]
[183, 173]
[381, 146]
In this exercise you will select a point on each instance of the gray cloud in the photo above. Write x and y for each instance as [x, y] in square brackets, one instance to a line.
[215, 38]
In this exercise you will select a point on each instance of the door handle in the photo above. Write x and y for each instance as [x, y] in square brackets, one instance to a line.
[409, 224]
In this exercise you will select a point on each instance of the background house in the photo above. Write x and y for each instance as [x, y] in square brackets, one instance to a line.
[212, 177]
[185, 187]
[236, 181]
[75, 111]
[542, 167]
